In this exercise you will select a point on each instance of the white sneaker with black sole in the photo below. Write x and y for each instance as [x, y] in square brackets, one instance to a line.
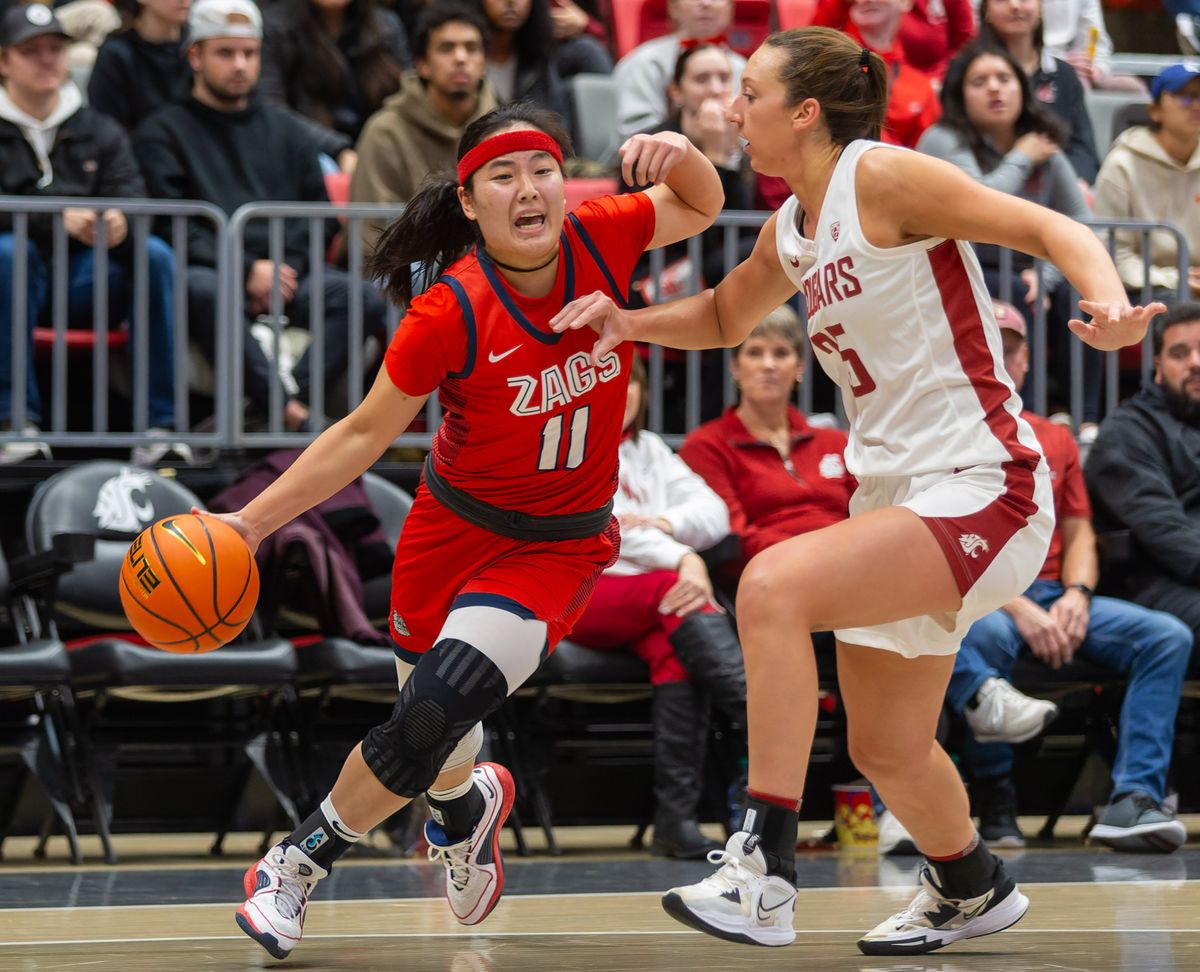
[741, 902]
[894, 838]
[999, 713]
[933, 920]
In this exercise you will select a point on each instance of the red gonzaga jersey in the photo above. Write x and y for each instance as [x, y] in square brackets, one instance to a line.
[530, 424]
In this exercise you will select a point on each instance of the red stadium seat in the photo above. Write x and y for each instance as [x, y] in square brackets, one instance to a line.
[77, 338]
[795, 13]
[337, 187]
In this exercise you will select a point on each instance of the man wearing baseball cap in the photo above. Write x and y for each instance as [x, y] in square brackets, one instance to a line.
[1153, 173]
[53, 145]
[1060, 617]
[225, 146]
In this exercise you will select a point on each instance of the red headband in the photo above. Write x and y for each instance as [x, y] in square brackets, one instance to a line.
[524, 140]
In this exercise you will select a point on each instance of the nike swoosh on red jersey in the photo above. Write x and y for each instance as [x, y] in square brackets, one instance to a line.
[493, 357]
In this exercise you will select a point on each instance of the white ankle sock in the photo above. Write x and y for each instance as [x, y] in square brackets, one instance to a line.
[337, 823]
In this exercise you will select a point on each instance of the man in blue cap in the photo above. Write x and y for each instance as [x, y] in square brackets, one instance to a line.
[1153, 173]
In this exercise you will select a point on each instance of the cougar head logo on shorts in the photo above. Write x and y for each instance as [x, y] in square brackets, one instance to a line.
[117, 507]
[835, 229]
[972, 543]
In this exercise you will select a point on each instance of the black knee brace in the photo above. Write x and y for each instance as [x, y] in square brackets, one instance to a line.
[452, 687]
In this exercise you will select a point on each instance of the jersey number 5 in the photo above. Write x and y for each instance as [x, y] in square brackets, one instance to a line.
[548, 454]
[826, 340]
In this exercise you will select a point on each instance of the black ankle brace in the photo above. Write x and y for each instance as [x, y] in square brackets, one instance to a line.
[775, 829]
[457, 817]
[969, 876]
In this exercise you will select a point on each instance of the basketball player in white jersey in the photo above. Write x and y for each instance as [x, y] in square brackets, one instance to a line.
[953, 514]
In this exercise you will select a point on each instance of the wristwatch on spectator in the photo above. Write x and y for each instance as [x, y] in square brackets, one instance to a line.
[1087, 591]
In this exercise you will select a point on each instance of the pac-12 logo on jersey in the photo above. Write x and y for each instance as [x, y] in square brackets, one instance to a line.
[560, 385]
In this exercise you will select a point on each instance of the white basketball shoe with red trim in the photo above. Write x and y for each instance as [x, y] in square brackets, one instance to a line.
[474, 867]
[277, 892]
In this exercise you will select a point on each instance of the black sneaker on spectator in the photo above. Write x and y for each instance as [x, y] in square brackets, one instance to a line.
[29, 448]
[1136, 824]
[999, 713]
[994, 800]
[153, 453]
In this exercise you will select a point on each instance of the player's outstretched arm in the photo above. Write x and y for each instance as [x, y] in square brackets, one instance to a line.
[716, 318]
[928, 197]
[684, 185]
[337, 457]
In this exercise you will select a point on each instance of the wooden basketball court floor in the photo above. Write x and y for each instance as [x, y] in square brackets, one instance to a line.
[594, 908]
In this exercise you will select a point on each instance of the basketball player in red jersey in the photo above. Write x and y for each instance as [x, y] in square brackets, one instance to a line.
[513, 523]
[953, 514]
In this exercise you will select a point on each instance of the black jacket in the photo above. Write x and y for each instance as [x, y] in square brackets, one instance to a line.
[91, 156]
[190, 151]
[284, 79]
[1062, 92]
[1143, 473]
[133, 77]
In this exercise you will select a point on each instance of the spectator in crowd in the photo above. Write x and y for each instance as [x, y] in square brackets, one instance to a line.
[228, 148]
[582, 37]
[931, 31]
[53, 145]
[1075, 32]
[658, 600]
[522, 57]
[335, 61]
[999, 134]
[1153, 173]
[700, 90]
[778, 475]
[417, 130]
[1144, 477]
[144, 66]
[912, 103]
[642, 75]
[1057, 619]
[1016, 25]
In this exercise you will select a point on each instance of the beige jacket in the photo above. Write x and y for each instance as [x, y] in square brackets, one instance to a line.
[1138, 180]
[401, 144]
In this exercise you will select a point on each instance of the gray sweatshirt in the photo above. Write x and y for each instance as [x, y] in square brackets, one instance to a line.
[1051, 184]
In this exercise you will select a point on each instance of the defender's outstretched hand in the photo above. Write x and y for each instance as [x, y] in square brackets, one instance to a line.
[646, 159]
[601, 314]
[1114, 325]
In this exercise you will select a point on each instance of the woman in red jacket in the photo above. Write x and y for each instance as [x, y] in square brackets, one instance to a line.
[778, 475]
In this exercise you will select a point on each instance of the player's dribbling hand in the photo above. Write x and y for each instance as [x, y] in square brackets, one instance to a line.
[597, 311]
[646, 159]
[1114, 324]
[235, 520]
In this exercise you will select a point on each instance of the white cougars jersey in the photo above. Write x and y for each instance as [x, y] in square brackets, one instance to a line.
[909, 336]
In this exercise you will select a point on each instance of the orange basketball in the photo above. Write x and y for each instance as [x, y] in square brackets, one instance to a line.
[189, 583]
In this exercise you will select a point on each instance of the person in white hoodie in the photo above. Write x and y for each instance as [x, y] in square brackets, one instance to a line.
[657, 600]
[1153, 173]
[53, 145]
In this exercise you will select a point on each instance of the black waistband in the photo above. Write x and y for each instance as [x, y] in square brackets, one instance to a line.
[510, 523]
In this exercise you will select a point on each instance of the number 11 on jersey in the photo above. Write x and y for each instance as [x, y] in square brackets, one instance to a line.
[552, 433]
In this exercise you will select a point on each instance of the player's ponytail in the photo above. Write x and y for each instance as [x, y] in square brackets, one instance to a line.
[433, 231]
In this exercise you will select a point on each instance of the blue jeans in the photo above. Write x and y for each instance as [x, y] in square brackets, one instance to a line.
[1150, 647]
[80, 277]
